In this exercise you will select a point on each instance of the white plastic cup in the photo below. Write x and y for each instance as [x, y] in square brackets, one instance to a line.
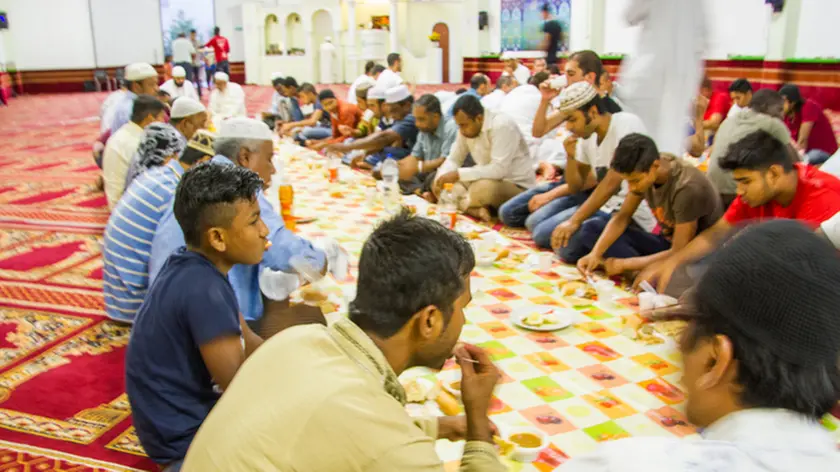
[647, 301]
[604, 288]
[545, 262]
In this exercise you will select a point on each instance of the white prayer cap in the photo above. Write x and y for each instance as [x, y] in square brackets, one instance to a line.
[245, 128]
[576, 95]
[397, 94]
[186, 106]
[179, 72]
[376, 93]
[139, 71]
[221, 77]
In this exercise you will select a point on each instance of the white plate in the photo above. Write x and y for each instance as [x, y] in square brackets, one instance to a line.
[446, 378]
[565, 318]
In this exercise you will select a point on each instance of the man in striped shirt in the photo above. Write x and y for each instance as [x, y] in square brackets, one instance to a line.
[128, 236]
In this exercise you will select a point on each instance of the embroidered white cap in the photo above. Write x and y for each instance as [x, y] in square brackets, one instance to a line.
[179, 72]
[576, 95]
[221, 77]
[376, 93]
[245, 128]
[139, 71]
[186, 106]
[397, 94]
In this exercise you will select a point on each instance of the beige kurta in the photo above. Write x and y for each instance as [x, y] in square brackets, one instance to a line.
[314, 398]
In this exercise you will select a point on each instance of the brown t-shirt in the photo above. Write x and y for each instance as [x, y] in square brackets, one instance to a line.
[688, 195]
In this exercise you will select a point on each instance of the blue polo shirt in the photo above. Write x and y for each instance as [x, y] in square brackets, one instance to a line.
[128, 239]
[169, 387]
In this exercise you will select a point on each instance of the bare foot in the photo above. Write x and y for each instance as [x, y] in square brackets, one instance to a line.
[429, 197]
[480, 213]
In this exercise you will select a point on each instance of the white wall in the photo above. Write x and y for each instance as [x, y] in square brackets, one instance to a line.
[135, 37]
[737, 28]
[817, 35]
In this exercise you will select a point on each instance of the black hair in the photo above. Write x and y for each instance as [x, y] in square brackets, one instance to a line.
[290, 82]
[554, 70]
[546, 8]
[163, 94]
[634, 153]
[430, 103]
[145, 105]
[192, 155]
[182, 34]
[278, 81]
[192, 31]
[369, 66]
[407, 264]
[768, 102]
[216, 31]
[757, 151]
[504, 81]
[326, 94]
[309, 88]
[469, 104]
[460, 91]
[793, 94]
[378, 68]
[206, 194]
[588, 61]
[767, 380]
[596, 102]
[393, 58]
[741, 86]
[539, 78]
[478, 80]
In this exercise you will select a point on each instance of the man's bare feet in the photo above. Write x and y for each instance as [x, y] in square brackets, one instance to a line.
[429, 197]
[481, 213]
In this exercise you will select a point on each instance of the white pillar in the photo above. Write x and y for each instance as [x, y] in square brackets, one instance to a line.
[783, 32]
[351, 27]
[494, 19]
[392, 18]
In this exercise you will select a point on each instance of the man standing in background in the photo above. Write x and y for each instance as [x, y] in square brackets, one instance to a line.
[553, 34]
[221, 49]
[659, 82]
[197, 64]
[183, 53]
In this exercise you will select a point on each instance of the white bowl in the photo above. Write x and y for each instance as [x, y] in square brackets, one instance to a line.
[526, 454]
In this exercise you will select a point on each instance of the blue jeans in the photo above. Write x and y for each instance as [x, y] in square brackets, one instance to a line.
[313, 132]
[634, 242]
[542, 222]
[515, 212]
[816, 157]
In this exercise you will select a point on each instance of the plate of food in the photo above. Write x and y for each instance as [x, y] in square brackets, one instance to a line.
[544, 320]
[420, 390]
[450, 380]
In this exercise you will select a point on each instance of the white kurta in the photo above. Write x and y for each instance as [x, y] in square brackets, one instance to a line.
[228, 104]
[659, 81]
[185, 90]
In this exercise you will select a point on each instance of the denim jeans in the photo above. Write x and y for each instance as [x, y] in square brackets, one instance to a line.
[515, 212]
[313, 132]
[634, 242]
[816, 157]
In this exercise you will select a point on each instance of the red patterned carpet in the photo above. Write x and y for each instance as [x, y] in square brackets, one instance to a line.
[62, 399]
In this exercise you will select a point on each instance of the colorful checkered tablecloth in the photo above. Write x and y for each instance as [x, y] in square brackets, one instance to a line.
[588, 383]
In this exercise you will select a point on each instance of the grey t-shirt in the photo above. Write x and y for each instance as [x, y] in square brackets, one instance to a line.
[733, 129]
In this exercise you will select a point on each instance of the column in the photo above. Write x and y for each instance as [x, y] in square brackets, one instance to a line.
[351, 28]
[395, 42]
[494, 20]
[783, 32]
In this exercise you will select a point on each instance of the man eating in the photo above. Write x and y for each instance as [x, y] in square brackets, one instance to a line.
[178, 86]
[227, 100]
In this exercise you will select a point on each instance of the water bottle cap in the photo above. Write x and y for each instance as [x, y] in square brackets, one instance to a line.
[448, 186]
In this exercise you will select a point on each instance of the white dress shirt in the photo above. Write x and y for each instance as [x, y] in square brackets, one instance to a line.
[227, 104]
[499, 152]
[116, 159]
[185, 90]
[362, 79]
[182, 51]
[521, 74]
[493, 100]
[755, 440]
[388, 79]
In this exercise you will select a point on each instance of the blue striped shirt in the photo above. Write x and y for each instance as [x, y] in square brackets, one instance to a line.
[128, 239]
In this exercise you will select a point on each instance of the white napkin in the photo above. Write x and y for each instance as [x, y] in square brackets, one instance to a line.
[278, 285]
[338, 261]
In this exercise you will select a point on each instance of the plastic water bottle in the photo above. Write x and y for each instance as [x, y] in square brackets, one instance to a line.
[391, 185]
[448, 211]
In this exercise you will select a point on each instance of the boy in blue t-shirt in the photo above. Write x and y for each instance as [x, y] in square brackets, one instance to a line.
[189, 339]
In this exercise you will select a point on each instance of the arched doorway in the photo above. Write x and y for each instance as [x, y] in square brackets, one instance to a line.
[443, 31]
[322, 28]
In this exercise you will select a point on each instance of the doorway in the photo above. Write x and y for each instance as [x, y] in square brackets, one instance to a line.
[443, 31]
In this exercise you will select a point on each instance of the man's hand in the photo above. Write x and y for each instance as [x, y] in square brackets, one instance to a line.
[589, 263]
[614, 266]
[701, 103]
[454, 428]
[336, 147]
[538, 201]
[345, 130]
[657, 274]
[570, 144]
[547, 170]
[548, 93]
[563, 233]
[447, 178]
[478, 380]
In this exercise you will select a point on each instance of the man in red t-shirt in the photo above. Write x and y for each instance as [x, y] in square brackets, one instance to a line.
[221, 49]
[770, 185]
[808, 126]
[719, 104]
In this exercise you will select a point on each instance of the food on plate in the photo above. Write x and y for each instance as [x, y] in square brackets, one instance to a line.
[473, 235]
[412, 210]
[577, 288]
[673, 328]
[505, 447]
[537, 319]
[311, 295]
[456, 385]
[336, 194]
[527, 440]
[431, 211]
[417, 390]
[501, 252]
[369, 183]
[448, 404]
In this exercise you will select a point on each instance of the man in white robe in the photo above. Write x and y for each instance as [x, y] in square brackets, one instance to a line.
[227, 99]
[178, 86]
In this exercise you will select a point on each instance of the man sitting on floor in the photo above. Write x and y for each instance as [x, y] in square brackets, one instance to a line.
[342, 115]
[494, 99]
[435, 139]
[503, 166]
[808, 125]
[246, 142]
[770, 185]
[123, 144]
[315, 124]
[227, 100]
[188, 116]
[140, 79]
[765, 114]
[719, 105]
[479, 88]
[515, 69]
[133, 224]
[280, 110]
[760, 359]
[395, 141]
[346, 389]
[178, 86]
[683, 200]
[741, 93]
[368, 79]
[189, 338]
